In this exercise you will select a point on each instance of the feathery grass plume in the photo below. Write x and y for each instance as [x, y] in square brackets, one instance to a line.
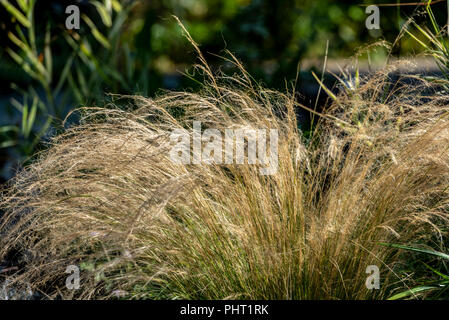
[106, 196]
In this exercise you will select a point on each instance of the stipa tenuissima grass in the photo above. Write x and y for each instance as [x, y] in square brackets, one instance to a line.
[106, 196]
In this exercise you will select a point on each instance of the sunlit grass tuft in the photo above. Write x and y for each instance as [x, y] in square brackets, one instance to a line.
[105, 196]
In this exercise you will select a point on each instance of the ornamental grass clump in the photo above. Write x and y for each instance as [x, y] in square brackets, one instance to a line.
[106, 197]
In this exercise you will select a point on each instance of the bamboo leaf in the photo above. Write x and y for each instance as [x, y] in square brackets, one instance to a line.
[64, 73]
[9, 129]
[16, 13]
[104, 13]
[16, 104]
[96, 33]
[29, 54]
[23, 64]
[41, 132]
[47, 54]
[431, 252]
[23, 5]
[75, 89]
[7, 144]
[116, 5]
[24, 118]
[31, 117]
[82, 82]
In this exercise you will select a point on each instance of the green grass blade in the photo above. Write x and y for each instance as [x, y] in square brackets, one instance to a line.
[96, 33]
[329, 92]
[16, 13]
[9, 129]
[410, 292]
[64, 73]
[431, 252]
[47, 55]
[31, 117]
[41, 132]
[437, 272]
[7, 144]
[24, 119]
[103, 12]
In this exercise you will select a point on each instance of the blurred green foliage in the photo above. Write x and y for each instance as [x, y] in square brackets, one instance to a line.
[136, 47]
[84, 71]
